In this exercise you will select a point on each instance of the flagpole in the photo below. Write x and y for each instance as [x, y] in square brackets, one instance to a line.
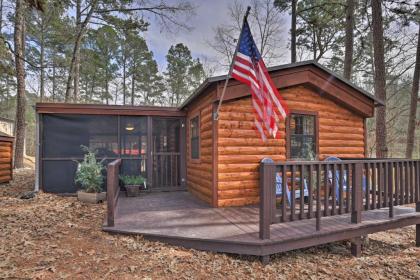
[228, 76]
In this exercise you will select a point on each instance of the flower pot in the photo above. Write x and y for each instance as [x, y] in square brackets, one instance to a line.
[132, 190]
[91, 197]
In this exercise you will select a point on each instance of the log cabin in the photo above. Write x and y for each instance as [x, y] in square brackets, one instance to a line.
[186, 148]
[328, 118]
[6, 157]
[213, 184]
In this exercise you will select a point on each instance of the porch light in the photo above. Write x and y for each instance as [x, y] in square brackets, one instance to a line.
[129, 127]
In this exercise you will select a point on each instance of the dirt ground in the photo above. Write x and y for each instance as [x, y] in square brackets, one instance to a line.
[52, 237]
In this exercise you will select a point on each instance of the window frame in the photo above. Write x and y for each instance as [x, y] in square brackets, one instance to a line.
[194, 159]
[288, 132]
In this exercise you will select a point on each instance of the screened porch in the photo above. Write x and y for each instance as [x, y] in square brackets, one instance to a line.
[148, 146]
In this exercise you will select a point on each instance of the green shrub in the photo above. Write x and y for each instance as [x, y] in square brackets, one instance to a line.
[132, 180]
[89, 172]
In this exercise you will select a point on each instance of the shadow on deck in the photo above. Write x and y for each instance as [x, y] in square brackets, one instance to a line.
[180, 219]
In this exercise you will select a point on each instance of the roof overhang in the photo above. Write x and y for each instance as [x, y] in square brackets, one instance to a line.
[307, 73]
[100, 109]
[6, 137]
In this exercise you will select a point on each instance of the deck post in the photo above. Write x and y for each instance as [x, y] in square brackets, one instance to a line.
[265, 259]
[356, 247]
[391, 189]
[357, 194]
[418, 226]
[318, 198]
[267, 185]
[110, 195]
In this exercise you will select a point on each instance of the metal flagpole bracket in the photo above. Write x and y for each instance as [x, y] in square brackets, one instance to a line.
[228, 76]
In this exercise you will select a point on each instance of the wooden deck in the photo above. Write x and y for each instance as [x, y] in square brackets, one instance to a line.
[180, 219]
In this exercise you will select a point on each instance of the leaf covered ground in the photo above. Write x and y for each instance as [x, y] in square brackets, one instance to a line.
[53, 237]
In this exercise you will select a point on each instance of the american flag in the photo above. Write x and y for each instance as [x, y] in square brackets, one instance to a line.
[249, 68]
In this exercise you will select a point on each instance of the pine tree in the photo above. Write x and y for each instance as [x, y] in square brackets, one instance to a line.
[183, 73]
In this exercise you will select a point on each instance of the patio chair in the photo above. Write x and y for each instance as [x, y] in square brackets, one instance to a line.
[337, 181]
[279, 188]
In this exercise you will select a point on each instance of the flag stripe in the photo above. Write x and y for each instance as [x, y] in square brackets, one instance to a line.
[248, 67]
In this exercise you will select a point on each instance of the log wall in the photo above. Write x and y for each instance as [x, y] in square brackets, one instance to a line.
[240, 149]
[6, 155]
[200, 171]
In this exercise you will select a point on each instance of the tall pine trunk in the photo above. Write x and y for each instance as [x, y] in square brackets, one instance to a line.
[19, 41]
[76, 88]
[1, 15]
[53, 80]
[72, 68]
[413, 103]
[41, 64]
[75, 60]
[132, 89]
[380, 91]
[348, 55]
[293, 32]
[124, 73]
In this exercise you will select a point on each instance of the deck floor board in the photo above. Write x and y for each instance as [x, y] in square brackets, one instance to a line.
[179, 217]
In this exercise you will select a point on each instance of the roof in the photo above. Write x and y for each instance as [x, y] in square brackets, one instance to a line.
[2, 134]
[102, 109]
[330, 83]
[209, 81]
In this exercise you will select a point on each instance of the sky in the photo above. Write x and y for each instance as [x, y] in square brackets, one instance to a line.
[209, 15]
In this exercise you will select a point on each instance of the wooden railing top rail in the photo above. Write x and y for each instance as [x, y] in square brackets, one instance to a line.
[114, 163]
[113, 190]
[315, 189]
[342, 161]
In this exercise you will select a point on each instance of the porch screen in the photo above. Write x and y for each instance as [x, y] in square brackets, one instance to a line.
[62, 136]
[133, 133]
[302, 137]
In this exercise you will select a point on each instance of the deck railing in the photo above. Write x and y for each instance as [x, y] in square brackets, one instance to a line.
[292, 191]
[113, 190]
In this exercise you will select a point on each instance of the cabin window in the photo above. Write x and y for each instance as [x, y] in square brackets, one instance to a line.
[195, 137]
[302, 133]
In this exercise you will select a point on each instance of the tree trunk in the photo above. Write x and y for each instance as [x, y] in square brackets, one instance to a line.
[293, 32]
[348, 55]
[380, 92]
[132, 90]
[41, 62]
[116, 94]
[53, 81]
[92, 89]
[19, 40]
[106, 86]
[76, 90]
[76, 53]
[124, 73]
[73, 62]
[76, 81]
[1, 15]
[107, 93]
[413, 103]
[314, 44]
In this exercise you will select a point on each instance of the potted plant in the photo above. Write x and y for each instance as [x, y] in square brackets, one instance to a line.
[89, 176]
[133, 184]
